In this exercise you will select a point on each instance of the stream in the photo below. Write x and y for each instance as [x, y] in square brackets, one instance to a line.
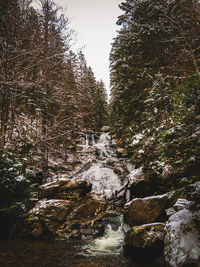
[105, 251]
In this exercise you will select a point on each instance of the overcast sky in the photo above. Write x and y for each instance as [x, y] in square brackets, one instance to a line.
[95, 23]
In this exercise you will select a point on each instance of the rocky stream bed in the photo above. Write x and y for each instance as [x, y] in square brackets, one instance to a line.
[108, 213]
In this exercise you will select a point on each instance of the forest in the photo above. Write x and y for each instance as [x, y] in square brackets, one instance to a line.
[121, 175]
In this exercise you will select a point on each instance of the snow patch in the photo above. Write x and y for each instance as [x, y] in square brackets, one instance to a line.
[43, 204]
[137, 138]
[181, 242]
[134, 174]
[20, 178]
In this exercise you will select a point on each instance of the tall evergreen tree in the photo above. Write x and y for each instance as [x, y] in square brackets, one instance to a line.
[154, 38]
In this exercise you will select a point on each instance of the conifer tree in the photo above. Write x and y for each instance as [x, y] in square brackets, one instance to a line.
[154, 39]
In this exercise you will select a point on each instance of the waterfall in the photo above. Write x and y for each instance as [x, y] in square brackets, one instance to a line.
[104, 139]
[100, 172]
[103, 148]
[86, 140]
[93, 140]
[105, 182]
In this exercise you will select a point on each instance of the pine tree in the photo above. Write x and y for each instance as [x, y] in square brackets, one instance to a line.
[155, 38]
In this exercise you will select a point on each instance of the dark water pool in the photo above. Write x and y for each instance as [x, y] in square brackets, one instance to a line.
[19, 253]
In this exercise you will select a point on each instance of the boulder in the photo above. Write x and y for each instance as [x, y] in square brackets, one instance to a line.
[88, 210]
[67, 219]
[147, 239]
[64, 189]
[142, 184]
[182, 244]
[146, 210]
[47, 215]
[83, 220]
[182, 204]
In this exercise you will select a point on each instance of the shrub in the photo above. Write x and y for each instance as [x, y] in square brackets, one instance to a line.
[14, 185]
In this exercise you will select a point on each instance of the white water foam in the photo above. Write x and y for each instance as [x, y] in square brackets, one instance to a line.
[110, 243]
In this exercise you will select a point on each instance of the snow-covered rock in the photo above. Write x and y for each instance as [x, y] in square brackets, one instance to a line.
[182, 243]
[103, 180]
[182, 204]
[136, 138]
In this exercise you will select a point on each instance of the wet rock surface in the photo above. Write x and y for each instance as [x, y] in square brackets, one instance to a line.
[145, 240]
[145, 210]
[175, 242]
[142, 183]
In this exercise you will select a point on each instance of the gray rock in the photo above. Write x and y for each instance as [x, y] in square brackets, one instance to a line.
[182, 244]
[182, 204]
[170, 212]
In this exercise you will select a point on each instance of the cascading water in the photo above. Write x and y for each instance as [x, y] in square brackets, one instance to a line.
[105, 185]
[102, 147]
[86, 140]
[93, 140]
[110, 243]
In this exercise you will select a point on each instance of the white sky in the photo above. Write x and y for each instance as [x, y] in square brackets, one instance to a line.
[95, 23]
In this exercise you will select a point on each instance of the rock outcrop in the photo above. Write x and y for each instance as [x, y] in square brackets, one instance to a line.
[66, 210]
[65, 219]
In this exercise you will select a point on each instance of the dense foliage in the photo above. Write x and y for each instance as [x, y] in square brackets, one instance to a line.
[155, 100]
[14, 191]
[14, 184]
